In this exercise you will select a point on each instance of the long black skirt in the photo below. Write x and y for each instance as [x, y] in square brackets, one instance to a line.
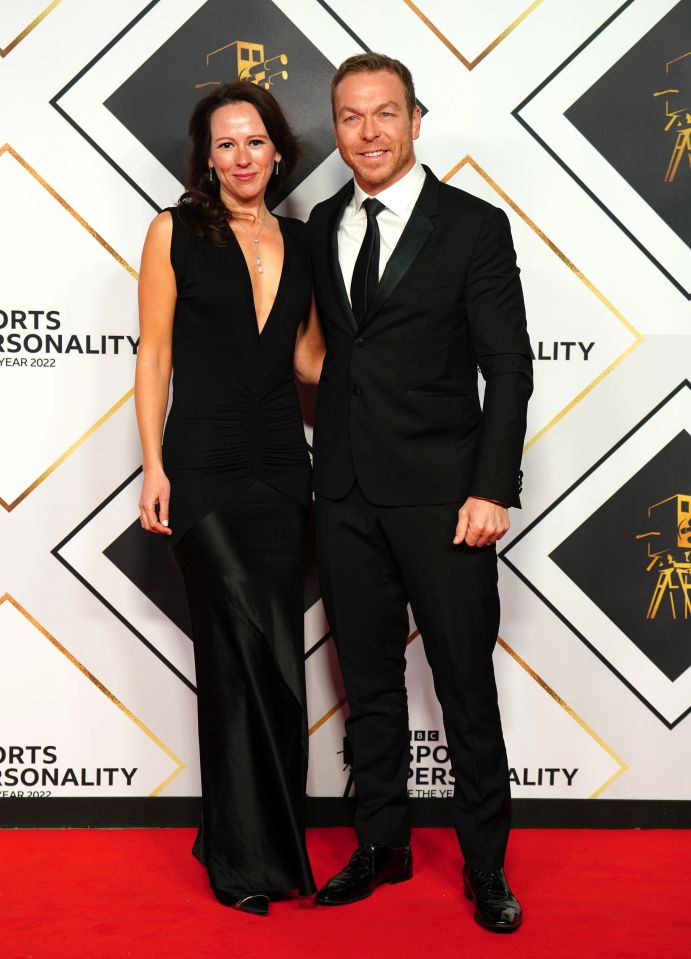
[243, 570]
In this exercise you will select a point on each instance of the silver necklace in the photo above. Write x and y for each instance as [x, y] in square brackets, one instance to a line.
[255, 240]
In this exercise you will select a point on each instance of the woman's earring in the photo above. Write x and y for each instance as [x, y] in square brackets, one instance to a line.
[211, 174]
[276, 169]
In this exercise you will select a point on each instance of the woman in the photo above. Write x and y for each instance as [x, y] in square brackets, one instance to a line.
[225, 301]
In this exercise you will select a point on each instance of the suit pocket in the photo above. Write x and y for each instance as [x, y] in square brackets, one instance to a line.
[441, 394]
[428, 281]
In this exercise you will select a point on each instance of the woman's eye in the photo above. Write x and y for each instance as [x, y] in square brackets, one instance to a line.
[224, 146]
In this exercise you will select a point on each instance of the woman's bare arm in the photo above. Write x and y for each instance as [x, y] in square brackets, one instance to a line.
[309, 348]
[157, 293]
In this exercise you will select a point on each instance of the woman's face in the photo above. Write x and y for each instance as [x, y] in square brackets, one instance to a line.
[242, 154]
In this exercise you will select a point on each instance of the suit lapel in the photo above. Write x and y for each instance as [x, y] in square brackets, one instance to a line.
[341, 201]
[413, 238]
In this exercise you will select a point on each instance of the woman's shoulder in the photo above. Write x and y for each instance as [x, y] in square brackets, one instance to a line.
[162, 223]
[167, 224]
[160, 233]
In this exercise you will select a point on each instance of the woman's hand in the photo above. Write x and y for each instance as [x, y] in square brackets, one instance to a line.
[155, 492]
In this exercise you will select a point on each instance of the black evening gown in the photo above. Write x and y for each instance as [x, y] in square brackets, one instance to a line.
[234, 450]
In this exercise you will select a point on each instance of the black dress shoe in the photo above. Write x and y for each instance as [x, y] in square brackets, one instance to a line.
[370, 865]
[496, 907]
[254, 902]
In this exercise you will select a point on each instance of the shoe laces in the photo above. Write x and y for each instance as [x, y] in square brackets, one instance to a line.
[492, 884]
[361, 863]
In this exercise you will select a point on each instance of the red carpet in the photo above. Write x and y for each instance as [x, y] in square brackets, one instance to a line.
[139, 893]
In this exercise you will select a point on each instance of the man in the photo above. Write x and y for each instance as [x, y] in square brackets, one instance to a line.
[417, 285]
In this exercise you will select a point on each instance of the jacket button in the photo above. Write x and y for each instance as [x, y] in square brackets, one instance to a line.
[359, 341]
[357, 391]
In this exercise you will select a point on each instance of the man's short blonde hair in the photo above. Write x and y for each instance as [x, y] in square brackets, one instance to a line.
[371, 63]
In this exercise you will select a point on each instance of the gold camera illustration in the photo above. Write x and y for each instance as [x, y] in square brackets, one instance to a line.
[250, 63]
[669, 554]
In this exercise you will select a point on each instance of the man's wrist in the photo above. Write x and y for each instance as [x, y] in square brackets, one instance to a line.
[488, 499]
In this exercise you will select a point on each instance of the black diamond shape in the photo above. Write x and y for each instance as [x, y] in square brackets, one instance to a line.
[634, 544]
[147, 562]
[156, 100]
[682, 285]
[625, 121]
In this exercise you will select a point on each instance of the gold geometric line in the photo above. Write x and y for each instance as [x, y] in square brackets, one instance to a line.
[471, 64]
[638, 337]
[555, 696]
[334, 709]
[6, 148]
[623, 766]
[676, 60]
[106, 692]
[327, 715]
[27, 30]
[437, 32]
[577, 399]
[61, 459]
[97, 236]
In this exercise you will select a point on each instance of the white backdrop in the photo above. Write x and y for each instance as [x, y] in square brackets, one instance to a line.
[96, 678]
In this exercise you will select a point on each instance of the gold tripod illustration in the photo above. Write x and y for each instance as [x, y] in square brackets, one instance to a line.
[666, 585]
[677, 118]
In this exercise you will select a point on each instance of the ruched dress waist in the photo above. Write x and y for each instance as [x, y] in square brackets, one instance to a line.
[235, 416]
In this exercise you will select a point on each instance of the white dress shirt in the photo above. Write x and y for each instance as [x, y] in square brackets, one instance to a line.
[399, 200]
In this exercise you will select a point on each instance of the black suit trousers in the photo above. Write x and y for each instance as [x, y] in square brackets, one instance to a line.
[373, 560]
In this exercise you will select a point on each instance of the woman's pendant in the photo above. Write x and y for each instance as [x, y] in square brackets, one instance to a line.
[258, 259]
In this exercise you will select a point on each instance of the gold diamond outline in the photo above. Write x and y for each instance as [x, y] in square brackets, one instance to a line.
[571, 713]
[638, 337]
[471, 64]
[6, 148]
[623, 765]
[342, 702]
[329, 712]
[181, 765]
[327, 716]
[4, 51]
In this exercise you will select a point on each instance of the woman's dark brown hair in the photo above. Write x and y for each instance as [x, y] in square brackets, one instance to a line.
[204, 212]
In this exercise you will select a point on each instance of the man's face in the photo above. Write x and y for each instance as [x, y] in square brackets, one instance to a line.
[374, 130]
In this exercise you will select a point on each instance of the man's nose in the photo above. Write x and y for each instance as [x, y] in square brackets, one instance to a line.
[370, 130]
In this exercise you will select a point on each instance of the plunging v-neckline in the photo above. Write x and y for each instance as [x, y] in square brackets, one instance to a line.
[260, 332]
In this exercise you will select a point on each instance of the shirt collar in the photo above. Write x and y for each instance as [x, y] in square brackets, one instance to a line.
[399, 196]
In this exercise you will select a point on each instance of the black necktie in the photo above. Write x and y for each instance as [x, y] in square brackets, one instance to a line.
[366, 271]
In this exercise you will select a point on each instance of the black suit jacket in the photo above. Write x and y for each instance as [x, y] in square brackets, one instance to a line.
[398, 405]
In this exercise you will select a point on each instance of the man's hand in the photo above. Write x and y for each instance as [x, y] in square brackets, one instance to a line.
[481, 522]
